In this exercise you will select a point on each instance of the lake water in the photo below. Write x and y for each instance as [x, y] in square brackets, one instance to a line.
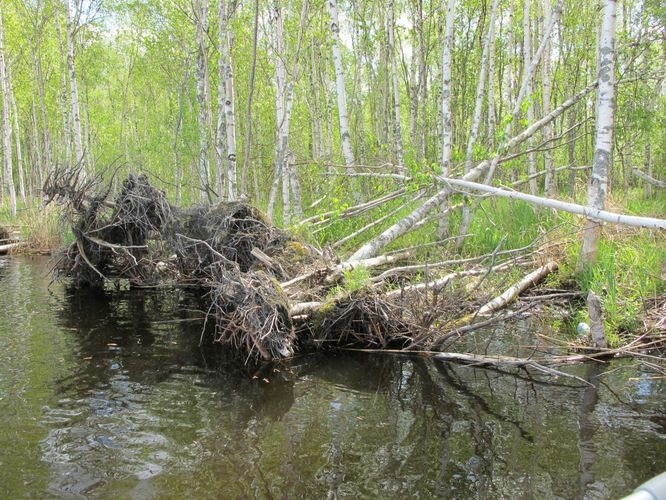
[110, 395]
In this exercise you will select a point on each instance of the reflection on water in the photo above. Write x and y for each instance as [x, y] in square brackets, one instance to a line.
[110, 394]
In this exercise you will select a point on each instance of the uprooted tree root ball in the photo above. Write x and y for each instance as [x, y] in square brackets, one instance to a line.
[231, 252]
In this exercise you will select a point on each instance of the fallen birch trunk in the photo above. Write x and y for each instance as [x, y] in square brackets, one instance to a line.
[460, 326]
[514, 291]
[372, 247]
[593, 213]
[648, 179]
[5, 249]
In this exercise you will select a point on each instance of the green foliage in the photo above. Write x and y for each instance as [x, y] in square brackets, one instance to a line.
[353, 279]
[627, 272]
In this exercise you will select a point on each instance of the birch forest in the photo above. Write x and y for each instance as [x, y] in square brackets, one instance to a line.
[443, 131]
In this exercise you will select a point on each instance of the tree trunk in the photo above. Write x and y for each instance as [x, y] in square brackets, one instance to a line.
[371, 248]
[527, 58]
[476, 117]
[67, 135]
[17, 141]
[587, 211]
[79, 158]
[248, 136]
[507, 80]
[225, 56]
[603, 147]
[399, 156]
[200, 19]
[6, 127]
[345, 137]
[491, 83]
[221, 173]
[550, 184]
[447, 125]
[277, 29]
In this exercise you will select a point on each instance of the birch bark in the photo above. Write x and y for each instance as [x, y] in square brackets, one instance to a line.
[476, 117]
[6, 128]
[550, 186]
[345, 137]
[248, 136]
[74, 93]
[201, 28]
[603, 144]
[447, 124]
[225, 60]
[67, 135]
[17, 142]
[529, 73]
[399, 156]
[220, 127]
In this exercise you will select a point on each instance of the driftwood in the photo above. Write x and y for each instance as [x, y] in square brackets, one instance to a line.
[596, 320]
[10, 247]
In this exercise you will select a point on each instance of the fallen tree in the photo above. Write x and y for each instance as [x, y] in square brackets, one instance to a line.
[265, 292]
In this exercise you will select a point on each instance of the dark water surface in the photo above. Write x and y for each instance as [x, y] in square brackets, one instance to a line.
[110, 396]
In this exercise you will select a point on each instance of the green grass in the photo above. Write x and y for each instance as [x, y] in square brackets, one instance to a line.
[41, 227]
[627, 272]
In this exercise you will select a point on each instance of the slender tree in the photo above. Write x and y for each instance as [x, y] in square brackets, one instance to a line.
[550, 186]
[447, 125]
[603, 143]
[6, 127]
[79, 157]
[341, 91]
[476, 118]
[250, 94]
[201, 27]
[397, 128]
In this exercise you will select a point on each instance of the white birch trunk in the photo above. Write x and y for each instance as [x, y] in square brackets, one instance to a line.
[17, 141]
[371, 248]
[507, 80]
[225, 59]
[248, 115]
[345, 137]
[491, 83]
[67, 135]
[447, 124]
[220, 125]
[201, 25]
[586, 211]
[295, 187]
[37, 162]
[603, 144]
[6, 127]
[527, 58]
[75, 113]
[280, 102]
[550, 186]
[476, 117]
[397, 128]
[530, 69]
